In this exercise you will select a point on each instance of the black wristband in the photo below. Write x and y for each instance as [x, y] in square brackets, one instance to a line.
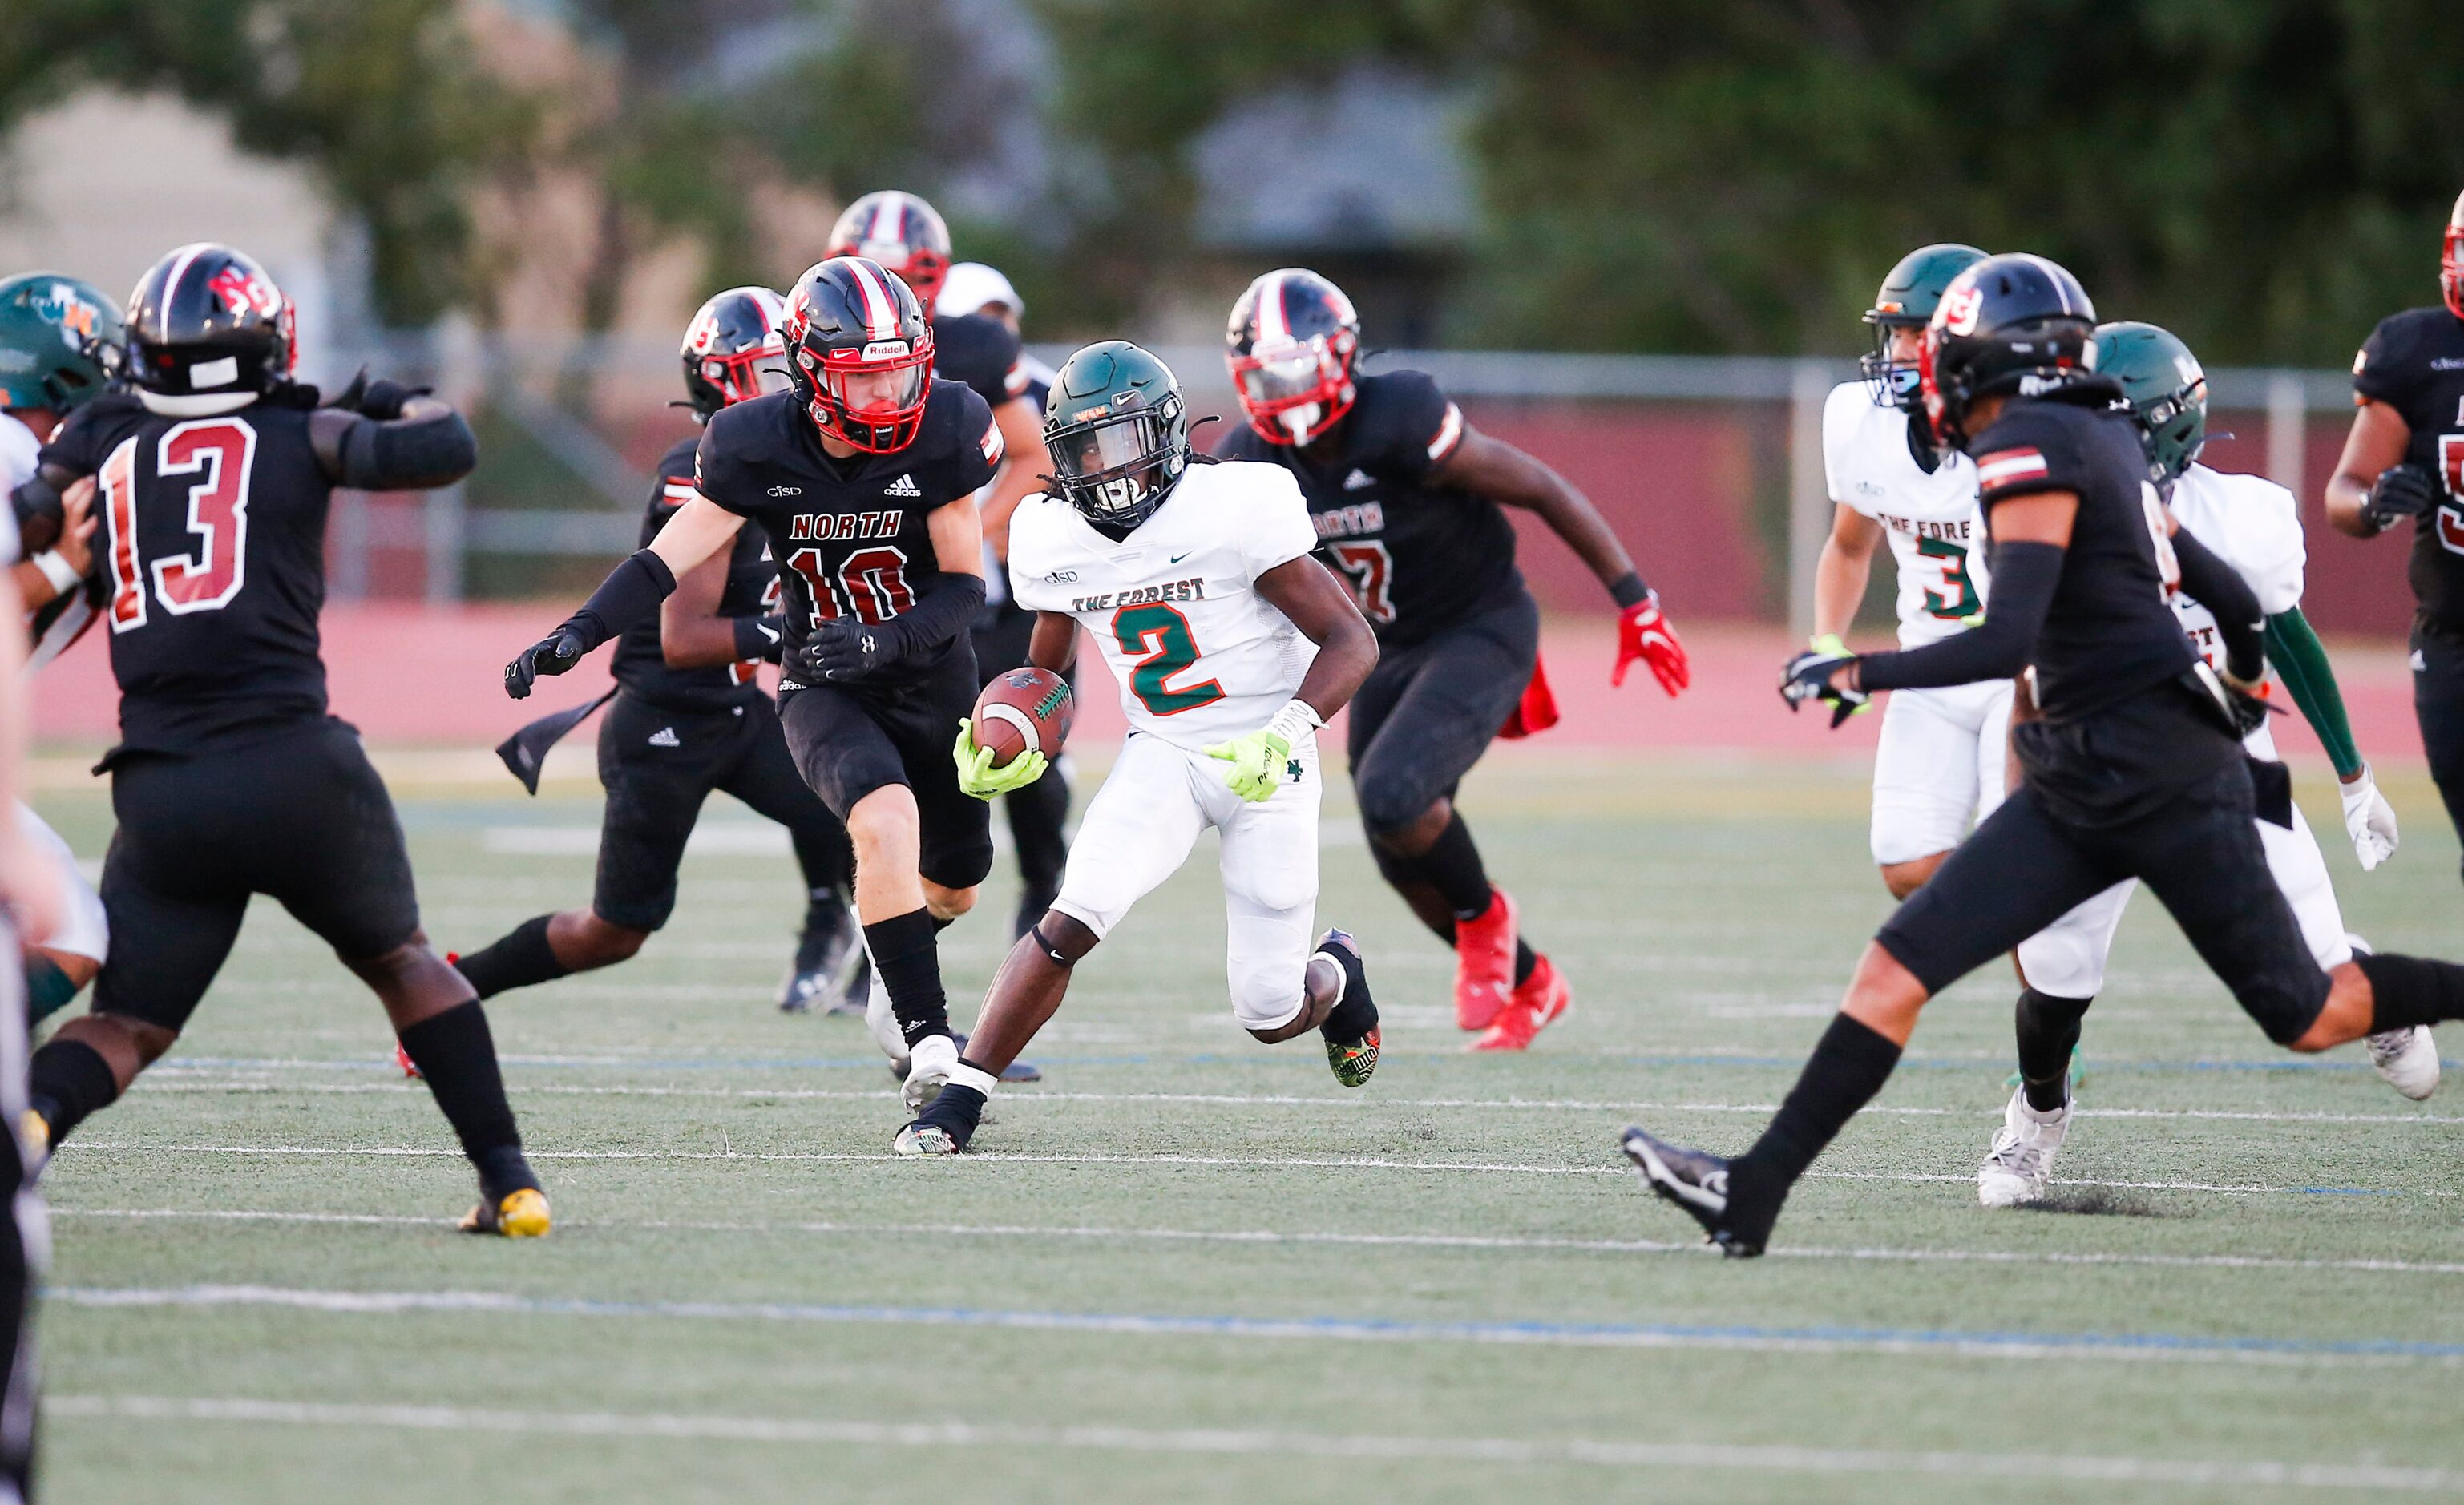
[761, 636]
[1629, 590]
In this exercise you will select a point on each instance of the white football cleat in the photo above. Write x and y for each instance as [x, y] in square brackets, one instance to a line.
[2022, 1162]
[929, 1064]
[2407, 1058]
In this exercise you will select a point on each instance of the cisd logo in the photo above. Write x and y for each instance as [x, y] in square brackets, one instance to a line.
[1960, 307]
[1061, 578]
[786, 491]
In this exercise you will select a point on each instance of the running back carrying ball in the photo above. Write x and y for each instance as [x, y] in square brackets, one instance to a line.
[1021, 708]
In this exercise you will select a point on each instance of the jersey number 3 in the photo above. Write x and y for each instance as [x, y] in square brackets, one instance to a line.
[221, 452]
[1955, 600]
[1157, 636]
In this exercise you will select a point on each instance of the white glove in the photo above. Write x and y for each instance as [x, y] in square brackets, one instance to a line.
[2370, 820]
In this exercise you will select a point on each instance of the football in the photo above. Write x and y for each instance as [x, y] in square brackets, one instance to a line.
[1023, 707]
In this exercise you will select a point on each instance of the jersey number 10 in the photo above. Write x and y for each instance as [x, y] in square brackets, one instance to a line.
[871, 584]
[222, 452]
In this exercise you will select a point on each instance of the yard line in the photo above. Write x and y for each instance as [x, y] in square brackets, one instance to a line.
[1269, 1236]
[1385, 1447]
[149, 1084]
[2126, 1347]
[1225, 1161]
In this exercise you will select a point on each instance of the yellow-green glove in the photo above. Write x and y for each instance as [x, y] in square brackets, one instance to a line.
[978, 775]
[1260, 761]
[1830, 645]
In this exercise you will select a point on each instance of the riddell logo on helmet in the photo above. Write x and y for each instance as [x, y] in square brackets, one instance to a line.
[885, 350]
[1959, 308]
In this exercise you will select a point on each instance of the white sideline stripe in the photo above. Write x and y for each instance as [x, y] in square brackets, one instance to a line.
[677, 1427]
[2133, 1348]
[1229, 1162]
[1269, 1237]
[150, 1083]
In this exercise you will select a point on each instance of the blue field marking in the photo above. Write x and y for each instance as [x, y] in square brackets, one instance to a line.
[1546, 1334]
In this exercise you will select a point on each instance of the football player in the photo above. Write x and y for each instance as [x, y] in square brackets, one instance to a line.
[976, 341]
[53, 331]
[1407, 501]
[1232, 646]
[1939, 768]
[2404, 460]
[690, 716]
[2133, 768]
[863, 478]
[32, 906]
[2256, 526]
[229, 779]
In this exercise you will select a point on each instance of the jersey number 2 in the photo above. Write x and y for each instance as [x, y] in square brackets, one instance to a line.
[222, 453]
[1157, 636]
[1371, 568]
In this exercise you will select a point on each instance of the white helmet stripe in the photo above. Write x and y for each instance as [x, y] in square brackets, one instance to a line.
[880, 309]
[1273, 327]
[187, 255]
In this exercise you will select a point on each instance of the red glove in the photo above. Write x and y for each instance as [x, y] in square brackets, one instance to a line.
[1643, 633]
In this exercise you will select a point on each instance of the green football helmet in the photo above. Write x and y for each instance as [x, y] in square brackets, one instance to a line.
[2167, 389]
[1117, 431]
[53, 329]
[1906, 300]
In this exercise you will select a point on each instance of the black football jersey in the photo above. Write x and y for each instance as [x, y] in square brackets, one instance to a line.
[849, 537]
[752, 589]
[1420, 557]
[2414, 363]
[980, 350]
[212, 542]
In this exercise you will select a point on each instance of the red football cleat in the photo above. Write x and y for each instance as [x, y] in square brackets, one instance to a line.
[410, 1069]
[1537, 1005]
[1485, 963]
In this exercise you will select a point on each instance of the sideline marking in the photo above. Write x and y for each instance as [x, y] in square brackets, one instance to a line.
[1131, 1439]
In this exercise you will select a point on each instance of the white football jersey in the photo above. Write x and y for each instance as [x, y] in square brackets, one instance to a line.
[1937, 534]
[1201, 656]
[2254, 525]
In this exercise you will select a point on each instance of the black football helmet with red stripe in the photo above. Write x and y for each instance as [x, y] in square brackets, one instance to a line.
[859, 354]
[900, 231]
[2009, 324]
[2450, 261]
[208, 331]
[1291, 342]
[734, 348]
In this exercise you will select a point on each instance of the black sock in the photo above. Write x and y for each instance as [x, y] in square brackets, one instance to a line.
[457, 1056]
[908, 962]
[521, 958]
[1353, 1015]
[1525, 960]
[824, 909]
[1849, 1065]
[48, 989]
[955, 1110]
[67, 1080]
[1452, 866]
[2405, 991]
[2048, 1031]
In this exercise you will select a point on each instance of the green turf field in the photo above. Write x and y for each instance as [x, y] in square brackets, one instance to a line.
[1192, 1268]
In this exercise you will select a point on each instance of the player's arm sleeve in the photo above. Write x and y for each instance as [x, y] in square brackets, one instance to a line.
[2208, 580]
[430, 444]
[1422, 426]
[2378, 368]
[1277, 530]
[1998, 647]
[2300, 660]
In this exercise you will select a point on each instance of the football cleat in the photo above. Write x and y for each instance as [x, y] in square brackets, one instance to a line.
[402, 1058]
[1354, 1062]
[943, 1128]
[1485, 963]
[2407, 1058]
[1015, 1072]
[520, 1213]
[928, 1069]
[34, 1136]
[2016, 1169]
[1699, 1184]
[829, 957]
[1537, 1004]
[925, 1139]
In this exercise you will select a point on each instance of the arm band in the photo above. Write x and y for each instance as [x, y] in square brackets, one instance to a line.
[631, 592]
[2208, 580]
[1628, 590]
[399, 454]
[2024, 575]
[947, 608]
[2302, 662]
[63, 574]
[761, 636]
[1296, 723]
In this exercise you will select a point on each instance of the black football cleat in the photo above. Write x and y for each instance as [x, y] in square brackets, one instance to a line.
[1015, 1071]
[829, 957]
[1699, 1184]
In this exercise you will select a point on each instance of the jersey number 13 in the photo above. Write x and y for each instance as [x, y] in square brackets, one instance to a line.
[220, 452]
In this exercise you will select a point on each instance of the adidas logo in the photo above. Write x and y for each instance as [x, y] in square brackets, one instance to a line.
[904, 486]
[665, 737]
[1358, 481]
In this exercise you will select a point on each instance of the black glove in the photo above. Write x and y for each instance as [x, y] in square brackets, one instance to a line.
[1808, 677]
[761, 636]
[841, 651]
[2401, 491]
[384, 399]
[552, 654]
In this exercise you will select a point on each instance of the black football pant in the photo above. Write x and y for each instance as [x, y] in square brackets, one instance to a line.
[2199, 854]
[1039, 812]
[1429, 710]
[659, 764]
[2438, 704]
[848, 742]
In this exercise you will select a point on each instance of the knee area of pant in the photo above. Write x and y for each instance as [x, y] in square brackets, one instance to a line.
[1389, 806]
[603, 943]
[121, 1037]
[887, 814]
[948, 904]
